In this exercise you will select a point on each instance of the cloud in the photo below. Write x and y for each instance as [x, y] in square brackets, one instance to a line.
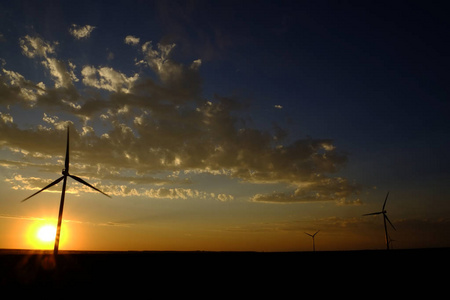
[30, 218]
[81, 32]
[62, 76]
[18, 182]
[62, 73]
[27, 183]
[36, 47]
[161, 124]
[322, 189]
[6, 118]
[54, 120]
[17, 217]
[225, 197]
[131, 40]
[14, 89]
[171, 73]
[182, 193]
[108, 79]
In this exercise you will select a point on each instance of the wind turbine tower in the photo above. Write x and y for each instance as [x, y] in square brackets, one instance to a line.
[65, 173]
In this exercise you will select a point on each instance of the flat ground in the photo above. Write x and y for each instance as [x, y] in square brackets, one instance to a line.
[201, 273]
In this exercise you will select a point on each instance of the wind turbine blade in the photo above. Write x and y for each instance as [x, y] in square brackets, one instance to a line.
[375, 213]
[66, 163]
[384, 204]
[85, 183]
[316, 233]
[51, 184]
[386, 217]
[308, 234]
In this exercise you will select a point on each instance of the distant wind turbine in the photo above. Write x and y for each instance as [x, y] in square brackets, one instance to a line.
[65, 173]
[391, 243]
[313, 236]
[385, 217]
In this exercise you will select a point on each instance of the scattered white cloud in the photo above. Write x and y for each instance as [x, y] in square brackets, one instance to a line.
[35, 46]
[14, 88]
[61, 72]
[18, 182]
[63, 77]
[131, 40]
[158, 60]
[163, 124]
[184, 193]
[55, 122]
[6, 118]
[14, 78]
[81, 32]
[225, 197]
[108, 79]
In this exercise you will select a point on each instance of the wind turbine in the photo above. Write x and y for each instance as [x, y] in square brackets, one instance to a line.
[313, 236]
[391, 244]
[65, 173]
[385, 217]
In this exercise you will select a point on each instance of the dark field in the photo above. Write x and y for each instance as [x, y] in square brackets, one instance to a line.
[189, 273]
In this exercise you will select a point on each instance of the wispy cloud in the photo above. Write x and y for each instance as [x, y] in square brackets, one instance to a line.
[16, 217]
[31, 218]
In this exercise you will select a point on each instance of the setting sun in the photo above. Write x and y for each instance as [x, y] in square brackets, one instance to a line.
[41, 235]
[46, 233]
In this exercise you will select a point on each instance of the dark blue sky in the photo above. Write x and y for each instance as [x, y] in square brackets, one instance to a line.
[371, 76]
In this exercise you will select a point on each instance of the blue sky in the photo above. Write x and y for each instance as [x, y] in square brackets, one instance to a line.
[274, 117]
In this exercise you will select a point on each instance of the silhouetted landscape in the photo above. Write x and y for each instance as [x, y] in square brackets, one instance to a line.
[139, 269]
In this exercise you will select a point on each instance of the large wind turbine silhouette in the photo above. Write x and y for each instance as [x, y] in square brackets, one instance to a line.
[65, 173]
[385, 218]
[313, 236]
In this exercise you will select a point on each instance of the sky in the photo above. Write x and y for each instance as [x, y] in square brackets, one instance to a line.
[225, 125]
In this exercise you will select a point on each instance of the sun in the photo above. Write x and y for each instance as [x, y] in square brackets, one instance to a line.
[41, 234]
[46, 233]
